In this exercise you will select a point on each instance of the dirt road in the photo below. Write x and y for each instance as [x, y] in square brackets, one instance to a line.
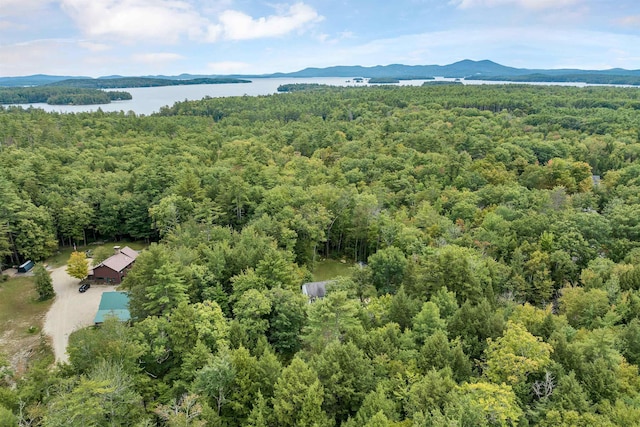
[70, 311]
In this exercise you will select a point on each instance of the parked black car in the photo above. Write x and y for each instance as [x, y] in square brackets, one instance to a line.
[84, 287]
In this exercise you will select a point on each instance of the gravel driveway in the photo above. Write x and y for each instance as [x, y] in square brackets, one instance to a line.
[71, 310]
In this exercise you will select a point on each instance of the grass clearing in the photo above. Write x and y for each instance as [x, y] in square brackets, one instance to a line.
[328, 269]
[61, 257]
[21, 321]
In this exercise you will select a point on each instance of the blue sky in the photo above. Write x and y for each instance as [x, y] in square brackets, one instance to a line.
[140, 37]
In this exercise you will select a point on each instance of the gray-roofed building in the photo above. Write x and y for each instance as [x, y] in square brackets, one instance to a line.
[129, 252]
[315, 290]
[114, 268]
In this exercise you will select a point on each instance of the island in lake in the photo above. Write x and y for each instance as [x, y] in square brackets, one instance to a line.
[296, 87]
[442, 83]
[60, 95]
[131, 82]
[596, 79]
[89, 91]
[383, 80]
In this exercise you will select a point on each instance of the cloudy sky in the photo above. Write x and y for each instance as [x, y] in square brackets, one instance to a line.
[141, 37]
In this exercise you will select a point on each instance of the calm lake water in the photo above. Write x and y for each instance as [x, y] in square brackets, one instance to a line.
[148, 100]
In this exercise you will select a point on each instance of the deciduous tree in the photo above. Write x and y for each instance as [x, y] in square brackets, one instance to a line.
[78, 266]
[515, 355]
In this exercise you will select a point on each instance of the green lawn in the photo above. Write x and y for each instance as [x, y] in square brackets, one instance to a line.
[18, 303]
[329, 268]
[61, 257]
[21, 321]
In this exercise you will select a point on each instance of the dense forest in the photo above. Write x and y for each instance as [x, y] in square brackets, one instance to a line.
[297, 87]
[59, 95]
[442, 83]
[383, 80]
[497, 229]
[600, 79]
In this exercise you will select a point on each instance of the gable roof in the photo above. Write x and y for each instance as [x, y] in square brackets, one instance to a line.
[113, 304]
[121, 260]
[129, 252]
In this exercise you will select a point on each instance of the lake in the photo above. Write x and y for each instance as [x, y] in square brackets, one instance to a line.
[148, 100]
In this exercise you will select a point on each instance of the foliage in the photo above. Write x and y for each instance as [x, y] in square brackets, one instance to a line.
[492, 229]
[100, 254]
[215, 380]
[120, 82]
[515, 355]
[387, 269]
[78, 266]
[380, 80]
[43, 282]
[294, 87]
[298, 396]
[591, 78]
[496, 403]
[59, 96]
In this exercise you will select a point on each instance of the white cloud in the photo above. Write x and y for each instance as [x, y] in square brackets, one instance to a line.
[630, 21]
[157, 58]
[228, 67]
[528, 47]
[346, 35]
[94, 47]
[27, 58]
[527, 4]
[19, 7]
[131, 20]
[170, 20]
[327, 39]
[236, 25]
[8, 25]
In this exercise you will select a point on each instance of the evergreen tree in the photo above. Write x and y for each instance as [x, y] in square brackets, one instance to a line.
[298, 397]
[44, 284]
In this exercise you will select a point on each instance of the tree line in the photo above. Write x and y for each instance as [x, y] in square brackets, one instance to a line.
[496, 226]
[129, 82]
[59, 95]
[590, 78]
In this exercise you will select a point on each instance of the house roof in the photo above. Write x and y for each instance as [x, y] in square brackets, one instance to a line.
[113, 304]
[129, 252]
[315, 289]
[121, 260]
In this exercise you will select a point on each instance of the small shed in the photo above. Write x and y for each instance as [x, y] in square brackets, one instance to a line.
[114, 304]
[28, 265]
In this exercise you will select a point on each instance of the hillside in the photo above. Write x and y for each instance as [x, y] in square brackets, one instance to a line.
[461, 69]
[131, 82]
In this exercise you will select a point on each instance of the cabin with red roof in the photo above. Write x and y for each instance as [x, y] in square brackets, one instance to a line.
[114, 268]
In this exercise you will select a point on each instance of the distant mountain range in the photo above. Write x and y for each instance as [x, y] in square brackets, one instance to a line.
[462, 69]
[131, 82]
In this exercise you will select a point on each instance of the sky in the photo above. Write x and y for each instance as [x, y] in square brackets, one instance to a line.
[217, 37]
